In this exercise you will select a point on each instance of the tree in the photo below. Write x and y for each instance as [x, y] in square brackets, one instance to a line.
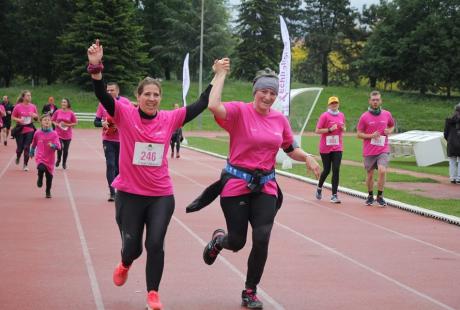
[114, 23]
[259, 43]
[8, 39]
[413, 43]
[329, 25]
[172, 29]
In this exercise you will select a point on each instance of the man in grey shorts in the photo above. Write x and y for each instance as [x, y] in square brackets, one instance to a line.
[374, 126]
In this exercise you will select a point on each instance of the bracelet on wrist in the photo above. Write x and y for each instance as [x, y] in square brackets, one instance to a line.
[95, 69]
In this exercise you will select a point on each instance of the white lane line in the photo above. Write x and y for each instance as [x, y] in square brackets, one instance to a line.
[377, 226]
[232, 267]
[370, 269]
[354, 217]
[84, 246]
[7, 166]
[344, 256]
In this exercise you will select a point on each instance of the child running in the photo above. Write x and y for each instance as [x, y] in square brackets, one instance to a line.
[64, 119]
[44, 144]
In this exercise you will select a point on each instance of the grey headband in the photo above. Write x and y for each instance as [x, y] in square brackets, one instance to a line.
[265, 82]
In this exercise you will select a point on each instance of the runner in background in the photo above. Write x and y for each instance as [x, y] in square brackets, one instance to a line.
[44, 145]
[5, 131]
[24, 113]
[331, 126]
[50, 107]
[110, 138]
[64, 119]
[374, 127]
[176, 139]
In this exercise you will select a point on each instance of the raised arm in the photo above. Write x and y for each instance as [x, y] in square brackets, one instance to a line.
[95, 53]
[215, 102]
[193, 110]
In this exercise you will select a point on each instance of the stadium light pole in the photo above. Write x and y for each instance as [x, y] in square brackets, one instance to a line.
[200, 83]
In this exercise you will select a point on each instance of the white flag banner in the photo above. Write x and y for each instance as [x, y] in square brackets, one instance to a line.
[285, 71]
[185, 80]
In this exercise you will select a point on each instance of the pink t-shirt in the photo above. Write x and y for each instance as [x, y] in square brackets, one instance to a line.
[101, 112]
[144, 145]
[331, 141]
[61, 116]
[2, 114]
[24, 112]
[254, 142]
[368, 124]
[44, 153]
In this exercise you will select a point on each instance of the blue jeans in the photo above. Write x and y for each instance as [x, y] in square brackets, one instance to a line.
[112, 153]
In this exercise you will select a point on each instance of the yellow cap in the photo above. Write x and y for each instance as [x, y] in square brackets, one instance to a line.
[332, 100]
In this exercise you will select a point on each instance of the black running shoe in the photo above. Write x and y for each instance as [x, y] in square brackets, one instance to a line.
[381, 201]
[250, 300]
[16, 161]
[370, 200]
[48, 194]
[58, 163]
[111, 197]
[64, 166]
[211, 251]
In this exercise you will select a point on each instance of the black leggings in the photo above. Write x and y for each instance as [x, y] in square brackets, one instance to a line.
[331, 159]
[64, 151]
[259, 210]
[175, 141]
[42, 170]
[133, 212]
[23, 142]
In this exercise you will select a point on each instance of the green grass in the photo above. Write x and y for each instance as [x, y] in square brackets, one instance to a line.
[411, 111]
[352, 177]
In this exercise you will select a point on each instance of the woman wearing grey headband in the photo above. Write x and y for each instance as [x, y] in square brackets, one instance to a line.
[248, 189]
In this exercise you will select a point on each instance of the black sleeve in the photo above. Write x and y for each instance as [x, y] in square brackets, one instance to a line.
[289, 149]
[446, 129]
[45, 109]
[193, 110]
[98, 122]
[101, 93]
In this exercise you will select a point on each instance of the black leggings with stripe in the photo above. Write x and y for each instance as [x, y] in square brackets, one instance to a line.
[133, 213]
[259, 210]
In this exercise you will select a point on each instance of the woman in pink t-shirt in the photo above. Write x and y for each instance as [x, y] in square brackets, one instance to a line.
[330, 126]
[144, 196]
[24, 114]
[44, 145]
[251, 194]
[64, 119]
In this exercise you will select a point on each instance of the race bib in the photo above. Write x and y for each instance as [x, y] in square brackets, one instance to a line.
[26, 120]
[148, 154]
[332, 140]
[380, 141]
[63, 127]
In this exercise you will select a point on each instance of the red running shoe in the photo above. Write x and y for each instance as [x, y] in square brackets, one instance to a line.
[153, 301]
[120, 274]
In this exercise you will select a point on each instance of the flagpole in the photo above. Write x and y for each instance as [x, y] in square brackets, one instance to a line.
[200, 83]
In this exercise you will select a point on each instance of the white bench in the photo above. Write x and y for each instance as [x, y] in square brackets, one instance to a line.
[85, 116]
[428, 147]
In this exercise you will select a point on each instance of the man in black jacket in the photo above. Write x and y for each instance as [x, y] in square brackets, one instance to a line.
[452, 135]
